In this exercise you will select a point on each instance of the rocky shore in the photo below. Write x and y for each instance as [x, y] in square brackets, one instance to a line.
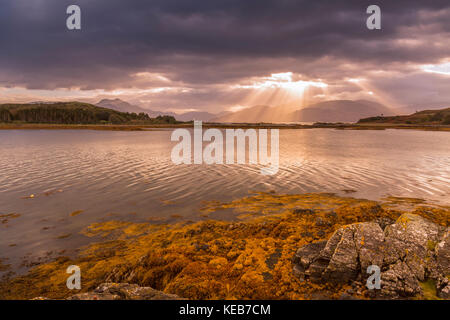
[123, 291]
[409, 252]
[310, 246]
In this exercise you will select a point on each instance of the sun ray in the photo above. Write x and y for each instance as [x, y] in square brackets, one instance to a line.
[285, 90]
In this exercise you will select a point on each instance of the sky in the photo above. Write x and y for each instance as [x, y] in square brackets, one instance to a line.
[216, 56]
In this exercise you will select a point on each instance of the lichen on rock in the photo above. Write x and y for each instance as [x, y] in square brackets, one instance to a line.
[402, 251]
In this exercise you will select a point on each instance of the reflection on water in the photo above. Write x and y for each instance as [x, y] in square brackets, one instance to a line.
[47, 175]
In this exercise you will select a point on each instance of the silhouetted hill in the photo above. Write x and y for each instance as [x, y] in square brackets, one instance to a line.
[195, 115]
[340, 111]
[123, 106]
[72, 113]
[441, 116]
[252, 114]
[328, 111]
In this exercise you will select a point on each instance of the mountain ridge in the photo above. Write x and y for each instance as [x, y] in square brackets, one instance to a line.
[326, 111]
[123, 106]
[433, 116]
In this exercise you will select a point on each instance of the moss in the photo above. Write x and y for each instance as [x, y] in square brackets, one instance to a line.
[438, 214]
[429, 290]
[404, 200]
[431, 245]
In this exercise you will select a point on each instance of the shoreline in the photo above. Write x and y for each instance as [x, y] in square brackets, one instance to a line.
[252, 258]
[144, 127]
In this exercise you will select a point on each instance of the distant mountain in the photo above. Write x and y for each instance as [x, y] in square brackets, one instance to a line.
[340, 111]
[120, 105]
[195, 115]
[328, 111]
[252, 114]
[123, 106]
[410, 109]
[441, 116]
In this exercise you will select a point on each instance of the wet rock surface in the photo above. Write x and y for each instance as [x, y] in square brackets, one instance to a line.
[123, 291]
[413, 255]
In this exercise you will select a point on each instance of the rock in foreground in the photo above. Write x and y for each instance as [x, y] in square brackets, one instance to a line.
[410, 253]
[123, 291]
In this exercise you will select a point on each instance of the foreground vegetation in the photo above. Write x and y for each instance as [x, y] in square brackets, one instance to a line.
[249, 258]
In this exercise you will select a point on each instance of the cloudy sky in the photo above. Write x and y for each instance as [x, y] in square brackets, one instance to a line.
[180, 55]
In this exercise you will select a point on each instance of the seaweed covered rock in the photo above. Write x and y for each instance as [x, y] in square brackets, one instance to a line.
[443, 253]
[348, 252]
[408, 252]
[412, 240]
[123, 291]
[411, 256]
[305, 257]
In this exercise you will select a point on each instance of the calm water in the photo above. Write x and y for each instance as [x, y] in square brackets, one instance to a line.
[129, 176]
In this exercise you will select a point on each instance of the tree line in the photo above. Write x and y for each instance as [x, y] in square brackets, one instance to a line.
[74, 113]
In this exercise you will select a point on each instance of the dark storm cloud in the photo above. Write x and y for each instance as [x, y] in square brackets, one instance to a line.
[211, 42]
